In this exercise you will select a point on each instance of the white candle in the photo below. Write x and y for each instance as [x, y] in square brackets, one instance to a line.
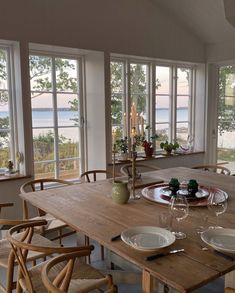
[114, 136]
[133, 135]
[124, 125]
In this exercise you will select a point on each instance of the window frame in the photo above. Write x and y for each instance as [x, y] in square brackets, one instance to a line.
[9, 47]
[80, 92]
[151, 101]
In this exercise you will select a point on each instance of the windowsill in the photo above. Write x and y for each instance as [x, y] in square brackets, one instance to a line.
[142, 158]
[12, 177]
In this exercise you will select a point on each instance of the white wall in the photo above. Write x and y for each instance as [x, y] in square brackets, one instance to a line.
[134, 27]
[131, 27]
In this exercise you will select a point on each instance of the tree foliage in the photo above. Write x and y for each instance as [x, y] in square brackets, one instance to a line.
[226, 112]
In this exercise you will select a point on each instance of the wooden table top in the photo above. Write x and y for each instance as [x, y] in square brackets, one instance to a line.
[89, 208]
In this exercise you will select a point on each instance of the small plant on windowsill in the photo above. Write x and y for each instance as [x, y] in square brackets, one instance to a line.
[147, 144]
[122, 147]
[169, 146]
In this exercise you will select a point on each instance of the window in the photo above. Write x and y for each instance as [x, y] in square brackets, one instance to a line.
[226, 117]
[7, 136]
[172, 96]
[56, 110]
[173, 103]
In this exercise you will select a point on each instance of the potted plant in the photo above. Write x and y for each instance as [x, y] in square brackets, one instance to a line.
[147, 144]
[169, 146]
[122, 147]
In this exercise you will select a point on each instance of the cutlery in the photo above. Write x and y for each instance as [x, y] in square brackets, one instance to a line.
[226, 256]
[155, 256]
[116, 237]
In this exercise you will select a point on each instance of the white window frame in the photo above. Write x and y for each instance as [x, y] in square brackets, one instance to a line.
[10, 49]
[151, 91]
[80, 60]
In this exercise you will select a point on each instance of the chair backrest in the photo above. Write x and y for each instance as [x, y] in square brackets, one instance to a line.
[22, 245]
[61, 282]
[214, 168]
[40, 184]
[91, 176]
[140, 168]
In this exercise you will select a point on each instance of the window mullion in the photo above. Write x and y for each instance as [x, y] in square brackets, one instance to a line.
[55, 118]
[173, 103]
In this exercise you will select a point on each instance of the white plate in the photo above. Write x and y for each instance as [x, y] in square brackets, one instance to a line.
[200, 194]
[220, 239]
[147, 238]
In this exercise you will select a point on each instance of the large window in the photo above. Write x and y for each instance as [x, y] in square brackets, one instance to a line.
[7, 136]
[56, 111]
[226, 117]
[171, 93]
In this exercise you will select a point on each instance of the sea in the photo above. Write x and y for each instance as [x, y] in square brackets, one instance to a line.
[42, 118]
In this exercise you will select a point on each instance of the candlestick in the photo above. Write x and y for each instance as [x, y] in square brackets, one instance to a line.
[124, 126]
[134, 156]
[114, 161]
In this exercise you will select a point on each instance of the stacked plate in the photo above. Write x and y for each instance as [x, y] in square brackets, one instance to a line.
[147, 238]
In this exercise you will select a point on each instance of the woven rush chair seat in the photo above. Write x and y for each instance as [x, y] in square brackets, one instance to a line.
[84, 278]
[53, 224]
[77, 277]
[7, 258]
[29, 279]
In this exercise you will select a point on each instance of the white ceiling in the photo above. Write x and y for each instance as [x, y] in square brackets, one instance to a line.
[203, 18]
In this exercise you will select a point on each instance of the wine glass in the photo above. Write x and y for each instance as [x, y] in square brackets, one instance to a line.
[179, 210]
[217, 204]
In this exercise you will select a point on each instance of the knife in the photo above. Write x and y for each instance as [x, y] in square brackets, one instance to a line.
[155, 256]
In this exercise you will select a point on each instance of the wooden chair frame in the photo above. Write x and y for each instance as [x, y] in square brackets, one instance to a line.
[94, 173]
[126, 169]
[10, 283]
[214, 168]
[61, 283]
[22, 246]
[41, 183]
[86, 175]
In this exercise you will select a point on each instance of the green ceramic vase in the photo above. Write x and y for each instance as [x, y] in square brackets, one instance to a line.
[120, 192]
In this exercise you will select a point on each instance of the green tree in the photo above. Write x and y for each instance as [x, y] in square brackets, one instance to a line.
[226, 113]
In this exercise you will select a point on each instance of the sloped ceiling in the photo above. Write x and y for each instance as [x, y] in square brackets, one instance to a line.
[204, 18]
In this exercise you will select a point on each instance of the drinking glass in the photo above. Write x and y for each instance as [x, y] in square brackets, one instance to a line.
[179, 209]
[217, 204]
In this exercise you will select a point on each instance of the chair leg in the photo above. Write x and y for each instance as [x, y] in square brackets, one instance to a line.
[87, 242]
[102, 252]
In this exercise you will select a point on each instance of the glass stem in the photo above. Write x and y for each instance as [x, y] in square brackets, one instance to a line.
[216, 220]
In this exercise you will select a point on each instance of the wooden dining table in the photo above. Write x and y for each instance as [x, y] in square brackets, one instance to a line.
[89, 208]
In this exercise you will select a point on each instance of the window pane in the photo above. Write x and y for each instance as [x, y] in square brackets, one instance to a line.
[66, 75]
[44, 170]
[117, 77]
[4, 148]
[67, 109]
[163, 133]
[43, 143]
[40, 73]
[183, 81]
[42, 110]
[182, 108]
[3, 70]
[69, 169]
[162, 80]
[68, 142]
[182, 132]
[139, 86]
[162, 109]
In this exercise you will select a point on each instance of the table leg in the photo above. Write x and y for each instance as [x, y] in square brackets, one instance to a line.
[147, 282]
